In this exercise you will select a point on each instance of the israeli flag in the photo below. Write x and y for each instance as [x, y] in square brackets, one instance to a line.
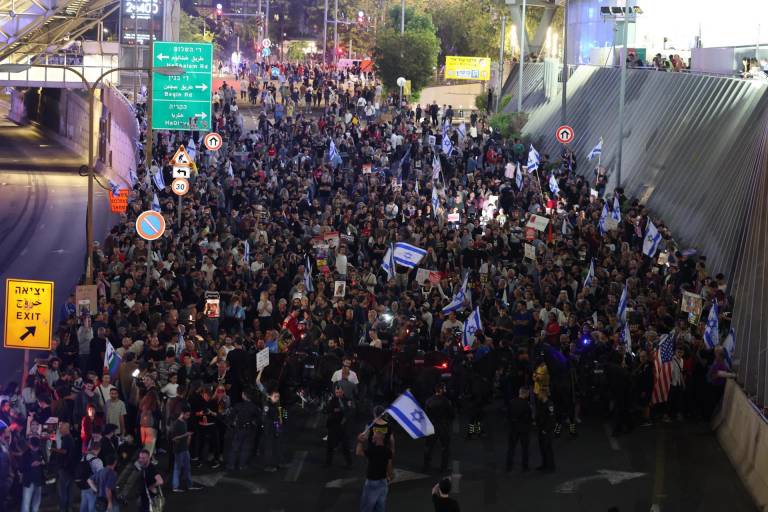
[408, 255]
[621, 313]
[246, 252]
[601, 222]
[435, 201]
[436, 167]
[158, 179]
[333, 155]
[651, 240]
[114, 188]
[616, 213]
[408, 413]
[471, 326]
[447, 145]
[624, 337]
[308, 286]
[553, 186]
[590, 274]
[567, 226]
[111, 360]
[230, 171]
[156, 203]
[133, 176]
[729, 344]
[457, 303]
[518, 177]
[417, 187]
[533, 159]
[445, 128]
[462, 131]
[388, 263]
[711, 331]
[597, 150]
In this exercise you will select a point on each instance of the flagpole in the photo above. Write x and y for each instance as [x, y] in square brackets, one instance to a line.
[541, 190]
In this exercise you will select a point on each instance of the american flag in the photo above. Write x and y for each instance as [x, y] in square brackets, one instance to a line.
[662, 366]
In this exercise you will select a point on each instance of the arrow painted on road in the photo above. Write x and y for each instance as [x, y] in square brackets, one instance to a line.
[162, 57]
[613, 477]
[399, 475]
[213, 479]
[202, 87]
[30, 330]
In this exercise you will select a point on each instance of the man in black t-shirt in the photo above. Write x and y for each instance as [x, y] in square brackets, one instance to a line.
[440, 498]
[379, 472]
[180, 437]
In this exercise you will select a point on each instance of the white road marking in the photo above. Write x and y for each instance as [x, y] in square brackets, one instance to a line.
[611, 440]
[613, 477]
[296, 466]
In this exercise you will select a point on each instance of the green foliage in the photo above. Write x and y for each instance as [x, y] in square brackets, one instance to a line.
[505, 101]
[412, 56]
[481, 101]
[509, 124]
[191, 29]
[413, 20]
[295, 51]
[466, 27]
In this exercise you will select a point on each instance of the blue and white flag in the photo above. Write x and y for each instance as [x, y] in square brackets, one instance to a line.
[590, 274]
[471, 326]
[567, 228]
[158, 179]
[447, 145]
[437, 168]
[533, 159]
[408, 413]
[111, 360]
[156, 203]
[446, 124]
[462, 131]
[308, 286]
[711, 331]
[601, 222]
[553, 186]
[597, 150]
[435, 201]
[518, 177]
[729, 346]
[246, 252]
[230, 170]
[625, 338]
[114, 188]
[621, 313]
[408, 255]
[616, 213]
[651, 240]
[333, 155]
[133, 176]
[459, 298]
[388, 263]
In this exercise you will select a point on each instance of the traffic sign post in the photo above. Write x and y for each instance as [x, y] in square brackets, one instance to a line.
[182, 102]
[150, 225]
[28, 314]
[564, 134]
[212, 141]
[180, 187]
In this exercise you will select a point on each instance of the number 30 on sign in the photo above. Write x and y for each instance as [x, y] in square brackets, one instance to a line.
[180, 186]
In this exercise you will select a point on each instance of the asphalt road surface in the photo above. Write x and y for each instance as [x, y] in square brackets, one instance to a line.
[42, 219]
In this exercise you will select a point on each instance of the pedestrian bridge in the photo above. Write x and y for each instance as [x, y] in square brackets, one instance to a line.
[59, 72]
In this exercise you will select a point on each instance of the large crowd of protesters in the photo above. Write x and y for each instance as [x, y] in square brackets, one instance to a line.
[274, 221]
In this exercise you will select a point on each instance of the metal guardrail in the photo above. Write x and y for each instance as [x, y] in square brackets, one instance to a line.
[52, 77]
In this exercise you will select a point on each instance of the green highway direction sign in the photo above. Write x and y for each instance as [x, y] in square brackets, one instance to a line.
[182, 102]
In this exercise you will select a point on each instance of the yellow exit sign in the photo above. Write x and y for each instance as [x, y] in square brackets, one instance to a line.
[28, 314]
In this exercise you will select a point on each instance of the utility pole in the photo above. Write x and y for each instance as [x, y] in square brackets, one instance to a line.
[261, 25]
[402, 17]
[622, 90]
[501, 61]
[522, 61]
[564, 112]
[325, 33]
[335, 31]
[148, 147]
[266, 21]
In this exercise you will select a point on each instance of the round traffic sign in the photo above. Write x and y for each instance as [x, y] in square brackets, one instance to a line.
[564, 134]
[212, 141]
[266, 43]
[266, 52]
[180, 186]
[150, 225]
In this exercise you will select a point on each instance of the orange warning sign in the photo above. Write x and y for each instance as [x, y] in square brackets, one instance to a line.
[181, 158]
[119, 203]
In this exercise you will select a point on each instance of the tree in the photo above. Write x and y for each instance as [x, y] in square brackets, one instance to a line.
[466, 27]
[412, 56]
[191, 29]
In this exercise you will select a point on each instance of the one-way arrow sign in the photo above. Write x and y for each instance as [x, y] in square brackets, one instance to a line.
[30, 330]
[613, 477]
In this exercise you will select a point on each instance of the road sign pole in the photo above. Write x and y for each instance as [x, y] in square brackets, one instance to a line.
[522, 60]
[148, 146]
[178, 220]
[25, 369]
[149, 262]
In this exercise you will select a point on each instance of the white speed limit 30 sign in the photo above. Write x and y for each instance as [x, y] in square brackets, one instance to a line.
[212, 141]
[180, 186]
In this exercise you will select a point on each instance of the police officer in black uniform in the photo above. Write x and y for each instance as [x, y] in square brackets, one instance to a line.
[273, 418]
[440, 412]
[545, 421]
[244, 420]
[520, 419]
[339, 409]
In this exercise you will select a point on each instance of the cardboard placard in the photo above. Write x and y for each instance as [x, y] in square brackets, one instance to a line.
[339, 288]
[530, 251]
[86, 298]
[453, 217]
[262, 359]
[119, 203]
[537, 222]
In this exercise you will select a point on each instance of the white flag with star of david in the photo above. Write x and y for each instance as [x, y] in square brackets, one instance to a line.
[409, 414]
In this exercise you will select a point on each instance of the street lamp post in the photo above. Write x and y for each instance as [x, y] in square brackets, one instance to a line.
[622, 91]
[522, 61]
[400, 84]
[90, 87]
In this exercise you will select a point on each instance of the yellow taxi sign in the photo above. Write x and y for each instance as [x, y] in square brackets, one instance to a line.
[28, 314]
